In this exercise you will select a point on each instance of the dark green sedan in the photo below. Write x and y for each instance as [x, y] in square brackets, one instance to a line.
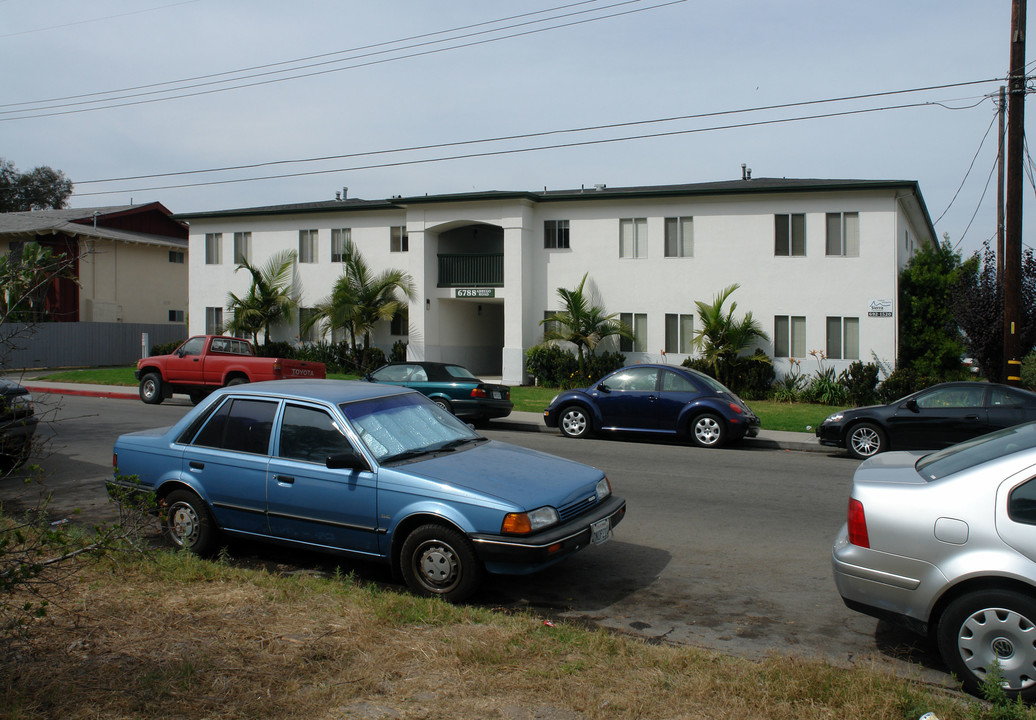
[451, 387]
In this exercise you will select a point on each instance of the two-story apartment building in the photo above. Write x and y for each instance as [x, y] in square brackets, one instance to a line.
[817, 262]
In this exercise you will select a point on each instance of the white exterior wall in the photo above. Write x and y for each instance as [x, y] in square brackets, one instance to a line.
[733, 243]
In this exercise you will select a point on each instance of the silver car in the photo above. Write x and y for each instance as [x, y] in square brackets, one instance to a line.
[945, 543]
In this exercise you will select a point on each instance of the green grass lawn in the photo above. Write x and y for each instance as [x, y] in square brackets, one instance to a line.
[795, 417]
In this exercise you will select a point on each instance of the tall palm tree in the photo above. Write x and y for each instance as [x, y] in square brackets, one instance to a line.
[360, 298]
[271, 298]
[721, 337]
[584, 322]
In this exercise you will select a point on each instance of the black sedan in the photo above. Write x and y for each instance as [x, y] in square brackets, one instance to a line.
[654, 399]
[934, 418]
[452, 387]
[17, 424]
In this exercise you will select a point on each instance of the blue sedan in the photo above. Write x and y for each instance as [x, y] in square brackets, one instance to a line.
[655, 399]
[369, 471]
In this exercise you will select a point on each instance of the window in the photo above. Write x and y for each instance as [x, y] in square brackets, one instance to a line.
[213, 248]
[790, 235]
[789, 336]
[679, 333]
[306, 318]
[633, 238]
[213, 321]
[241, 426]
[176, 256]
[176, 316]
[1021, 503]
[308, 246]
[555, 234]
[843, 234]
[671, 382]
[679, 237]
[399, 240]
[400, 324]
[242, 247]
[843, 338]
[310, 435]
[339, 240]
[634, 379]
[550, 326]
[638, 323]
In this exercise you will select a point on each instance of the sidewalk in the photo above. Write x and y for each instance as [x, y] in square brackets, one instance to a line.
[519, 421]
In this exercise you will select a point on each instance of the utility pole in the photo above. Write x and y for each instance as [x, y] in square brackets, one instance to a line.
[1002, 112]
[1012, 261]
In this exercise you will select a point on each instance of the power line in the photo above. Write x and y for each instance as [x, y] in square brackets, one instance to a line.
[93, 20]
[968, 173]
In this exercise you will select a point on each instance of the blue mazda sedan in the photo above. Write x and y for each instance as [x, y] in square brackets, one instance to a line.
[654, 399]
[369, 471]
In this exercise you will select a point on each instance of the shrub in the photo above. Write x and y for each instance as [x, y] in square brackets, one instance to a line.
[550, 365]
[860, 382]
[750, 377]
[164, 348]
[398, 351]
[902, 382]
[597, 366]
[276, 350]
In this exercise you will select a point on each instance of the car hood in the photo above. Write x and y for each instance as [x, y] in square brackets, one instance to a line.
[891, 468]
[525, 477]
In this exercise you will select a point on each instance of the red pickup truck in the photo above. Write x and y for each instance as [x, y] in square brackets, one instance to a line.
[207, 362]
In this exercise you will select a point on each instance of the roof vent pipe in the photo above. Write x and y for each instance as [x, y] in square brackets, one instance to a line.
[599, 186]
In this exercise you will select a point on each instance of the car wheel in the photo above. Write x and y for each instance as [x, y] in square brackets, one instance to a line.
[574, 422]
[990, 627]
[708, 431]
[236, 381]
[151, 389]
[198, 396]
[188, 523]
[444, 404]
[439, 561]
[865, 440]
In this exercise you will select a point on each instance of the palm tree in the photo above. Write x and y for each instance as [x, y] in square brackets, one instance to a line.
[360, 298]
[721, 337]
[270, 299]
[584, 322]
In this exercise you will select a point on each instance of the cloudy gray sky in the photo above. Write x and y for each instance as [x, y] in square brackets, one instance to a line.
[640, 92]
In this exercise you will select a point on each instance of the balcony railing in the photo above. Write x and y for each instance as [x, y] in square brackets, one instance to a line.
[462, 270]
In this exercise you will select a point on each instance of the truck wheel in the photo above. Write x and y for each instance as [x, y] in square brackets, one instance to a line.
[151, 389]
[236, 381]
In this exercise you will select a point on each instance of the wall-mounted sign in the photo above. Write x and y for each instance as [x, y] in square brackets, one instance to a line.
[879, 308]
[475, 293]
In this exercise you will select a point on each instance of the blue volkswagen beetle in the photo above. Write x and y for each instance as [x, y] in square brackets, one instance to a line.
[654, 399]
[370, 471]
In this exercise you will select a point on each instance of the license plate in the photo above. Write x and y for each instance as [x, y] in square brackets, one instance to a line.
[600, 531]
[496, 394]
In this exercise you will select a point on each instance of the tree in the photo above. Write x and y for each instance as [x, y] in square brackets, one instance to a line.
[270, 299]
[25, 280]
[360, 299]
[931, 343]
[978, 307]
[721, 338]
[584, 322]
[39, 189]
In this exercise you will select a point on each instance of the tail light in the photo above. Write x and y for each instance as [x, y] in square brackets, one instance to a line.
[857, 524]
[115, 461]
[736, 408]
[478, 393]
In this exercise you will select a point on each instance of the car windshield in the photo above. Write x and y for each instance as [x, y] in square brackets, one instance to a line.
[460, 372]
[403, 426]
[977, 451]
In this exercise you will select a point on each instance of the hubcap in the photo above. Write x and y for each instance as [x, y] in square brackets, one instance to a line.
[437, 565]
[865, 441]
[149, 389]
[1004, 637]
[574, 422]
[707, 431]
[184, 524]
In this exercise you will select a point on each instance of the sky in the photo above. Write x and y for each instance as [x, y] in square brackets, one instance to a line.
[624, 93]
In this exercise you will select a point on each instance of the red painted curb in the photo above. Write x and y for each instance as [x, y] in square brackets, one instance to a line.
[83, 393]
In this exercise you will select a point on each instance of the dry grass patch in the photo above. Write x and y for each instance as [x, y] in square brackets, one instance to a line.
[179, 637]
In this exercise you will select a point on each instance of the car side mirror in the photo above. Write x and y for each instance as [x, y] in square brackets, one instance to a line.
[603, 388]
[180, 353]
[347, 461]
[911, 405]
[368, 377]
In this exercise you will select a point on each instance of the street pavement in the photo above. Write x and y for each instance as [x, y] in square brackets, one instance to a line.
[518, 421]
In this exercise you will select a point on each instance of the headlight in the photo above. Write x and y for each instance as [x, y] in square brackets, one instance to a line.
[604, 489]
[529, 522]
[837, 417]
[22, 403]
[553, 399]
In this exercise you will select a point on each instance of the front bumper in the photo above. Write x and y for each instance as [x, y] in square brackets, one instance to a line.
[831, 435]
[16, 436]
[522, 555]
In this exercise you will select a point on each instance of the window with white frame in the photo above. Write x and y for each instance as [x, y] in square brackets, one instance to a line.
[789, 235]
[633, 238]
[176, 256]
[308, 246]
[309, 327]
[213, 321]
[555, 234]
[789, 336]
[213, 248]
[399, 241]
[242, 248]
[679, 237]
[638, 323]
[400, 325]
[843, 338]
[843, 234]
[339, 239]
[679, 333]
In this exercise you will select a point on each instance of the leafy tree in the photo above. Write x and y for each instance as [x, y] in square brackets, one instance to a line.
[25, 280]
[270, 299]
[584, 322]
[931, 342]
[39, 189]
[978, 307]
[361, 298]
[722, 338]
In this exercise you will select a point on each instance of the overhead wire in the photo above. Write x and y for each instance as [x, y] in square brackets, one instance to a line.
[968, 173]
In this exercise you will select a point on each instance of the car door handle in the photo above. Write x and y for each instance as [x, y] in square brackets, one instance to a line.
[195, 465]
[286, 479]
[971, 417]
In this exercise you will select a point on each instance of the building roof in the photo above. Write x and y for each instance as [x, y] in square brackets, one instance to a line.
[80, 222]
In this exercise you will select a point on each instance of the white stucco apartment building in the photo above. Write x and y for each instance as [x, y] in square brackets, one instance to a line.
[817, 261]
